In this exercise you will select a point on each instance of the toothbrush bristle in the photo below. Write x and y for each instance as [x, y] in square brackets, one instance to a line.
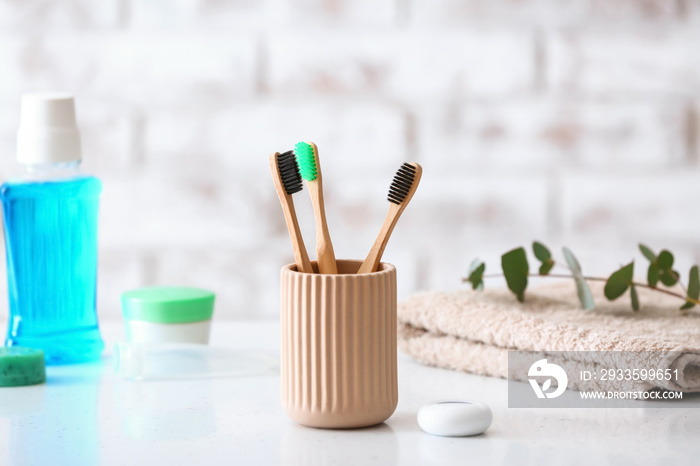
[402, 183]
[289, 172]
[306, 160]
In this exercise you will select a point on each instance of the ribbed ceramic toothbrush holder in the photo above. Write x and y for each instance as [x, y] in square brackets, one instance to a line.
[338, 358]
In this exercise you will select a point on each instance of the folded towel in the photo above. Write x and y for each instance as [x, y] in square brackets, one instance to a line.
[472, 331]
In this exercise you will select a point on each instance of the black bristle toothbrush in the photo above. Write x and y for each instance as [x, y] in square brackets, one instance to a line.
[285, 174]
[400, 193]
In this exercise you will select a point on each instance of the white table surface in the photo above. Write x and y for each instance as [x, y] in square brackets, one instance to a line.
[85, 415]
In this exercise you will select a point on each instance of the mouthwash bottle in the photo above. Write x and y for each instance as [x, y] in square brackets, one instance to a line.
[50, 219]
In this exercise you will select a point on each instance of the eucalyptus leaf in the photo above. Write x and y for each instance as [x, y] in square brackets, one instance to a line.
[544, 256]
[516, 269]
[693, 287]
[546, 267]
[619, 281]
[648, 253]
[653, 275]
[541, 251]
[665, 260]
[634, 297]
[478, 272]
[584, 294]
[476, 275]
[669, 277]
[694, 283]
[572, 261]
[474, 265]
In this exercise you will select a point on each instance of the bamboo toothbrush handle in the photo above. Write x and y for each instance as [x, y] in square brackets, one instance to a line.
[324, 247]
[372, 260]
[300, 255]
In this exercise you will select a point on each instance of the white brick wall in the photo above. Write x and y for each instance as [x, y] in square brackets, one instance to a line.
[540, 133]
[259, 14]
[43, 15]
[617, 62]
[412, 65]
[575, 122]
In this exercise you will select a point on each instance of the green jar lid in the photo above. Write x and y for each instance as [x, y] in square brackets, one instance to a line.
[168, 304]
[21, 366]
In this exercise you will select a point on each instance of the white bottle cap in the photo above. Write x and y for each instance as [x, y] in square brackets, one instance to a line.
[48, 132]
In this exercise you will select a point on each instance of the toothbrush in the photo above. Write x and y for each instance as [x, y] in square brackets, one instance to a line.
[285, 174]
[400, 193]
[310, 169]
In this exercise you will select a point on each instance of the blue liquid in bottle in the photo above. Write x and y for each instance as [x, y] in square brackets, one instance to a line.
[51, 248]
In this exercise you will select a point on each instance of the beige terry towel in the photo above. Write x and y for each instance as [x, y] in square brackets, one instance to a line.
[472, 331]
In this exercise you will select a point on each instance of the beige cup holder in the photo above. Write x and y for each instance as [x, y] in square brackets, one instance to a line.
[338, 358]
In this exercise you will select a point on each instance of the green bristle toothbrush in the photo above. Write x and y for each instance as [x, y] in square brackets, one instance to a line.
[285, 174]
[310, 169]
[400, 193]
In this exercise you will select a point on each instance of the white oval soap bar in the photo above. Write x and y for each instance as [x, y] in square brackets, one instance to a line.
[455, 418]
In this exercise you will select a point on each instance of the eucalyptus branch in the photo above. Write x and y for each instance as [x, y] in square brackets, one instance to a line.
[595, 279]
[516, 271]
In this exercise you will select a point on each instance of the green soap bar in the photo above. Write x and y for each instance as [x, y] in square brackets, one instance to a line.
[21, 366]
[168, 304]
